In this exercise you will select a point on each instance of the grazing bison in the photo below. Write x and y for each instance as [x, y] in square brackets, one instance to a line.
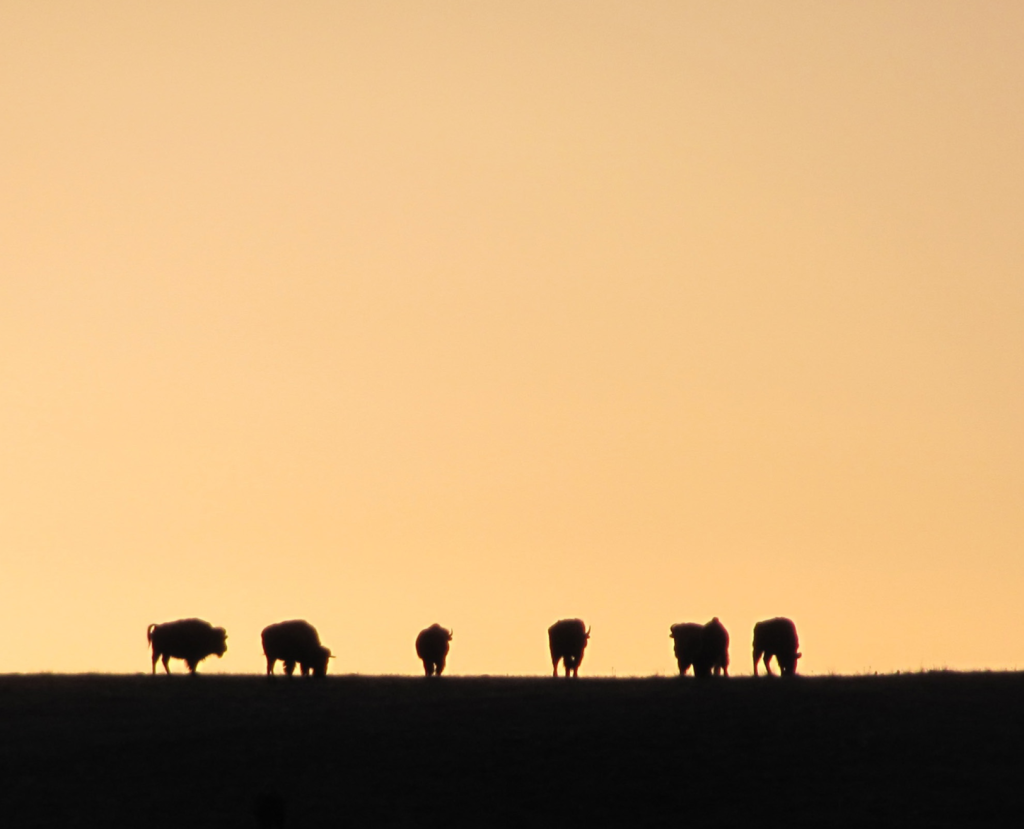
[190, 639]
[432, 648]
[567, 640]
[705, 647]
[295, 641]
[776, 637]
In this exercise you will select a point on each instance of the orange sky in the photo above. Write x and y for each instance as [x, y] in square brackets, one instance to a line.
[489, 314]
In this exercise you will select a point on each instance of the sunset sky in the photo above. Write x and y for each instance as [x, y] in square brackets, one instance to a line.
[381, 314]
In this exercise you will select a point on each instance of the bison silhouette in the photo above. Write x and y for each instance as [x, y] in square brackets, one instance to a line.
[705, 647]
[432, 647]
[776, 637]
[688, 638]
[714, 654]
[295, 641]
[568, 639]
[190, 639]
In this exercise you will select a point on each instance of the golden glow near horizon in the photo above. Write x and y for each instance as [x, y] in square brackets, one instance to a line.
[490, 314]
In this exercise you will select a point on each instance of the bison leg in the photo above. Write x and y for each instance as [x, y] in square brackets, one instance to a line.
[270, 665]
[768, 667]
[166, 661]
[156, 657]
[304, 668]
[289, 667]
[192, 665]
[757, 658]
[554, 663]
[438, 667]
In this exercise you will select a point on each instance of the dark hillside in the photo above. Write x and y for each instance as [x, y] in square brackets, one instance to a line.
[938, 749]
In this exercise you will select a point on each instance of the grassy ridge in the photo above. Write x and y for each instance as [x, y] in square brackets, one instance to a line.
[938, 749]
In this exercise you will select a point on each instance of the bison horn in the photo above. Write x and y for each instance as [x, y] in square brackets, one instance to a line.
[588, 632]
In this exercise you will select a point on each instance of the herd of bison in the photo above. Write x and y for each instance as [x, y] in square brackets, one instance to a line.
[936, 748]
[296, 642]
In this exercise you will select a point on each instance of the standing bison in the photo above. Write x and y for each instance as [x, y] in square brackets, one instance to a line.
[714, 654]
[295, 641]
[705, 647]
[688, 637]
[190, 639]
[432, 647]
[776, 637]
[567, 640]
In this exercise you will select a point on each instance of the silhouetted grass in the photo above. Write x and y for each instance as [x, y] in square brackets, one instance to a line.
[940, 749]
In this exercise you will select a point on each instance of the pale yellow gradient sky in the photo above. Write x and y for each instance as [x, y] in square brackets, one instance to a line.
[381, 314]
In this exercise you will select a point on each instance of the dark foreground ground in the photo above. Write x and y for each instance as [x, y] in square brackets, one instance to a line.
[939, 749]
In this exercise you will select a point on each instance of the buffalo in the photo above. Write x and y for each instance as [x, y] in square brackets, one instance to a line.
[714, 651]
[776, 637]
[295, 641]
[688, 637]
[190, 639]
[705, 647]
[432, 647]
[567, 640]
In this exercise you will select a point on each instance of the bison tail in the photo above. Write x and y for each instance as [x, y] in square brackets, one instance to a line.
[149, 633]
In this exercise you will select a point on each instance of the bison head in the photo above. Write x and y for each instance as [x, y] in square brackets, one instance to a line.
[320, 661]
[787, 663]
[220, 641]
